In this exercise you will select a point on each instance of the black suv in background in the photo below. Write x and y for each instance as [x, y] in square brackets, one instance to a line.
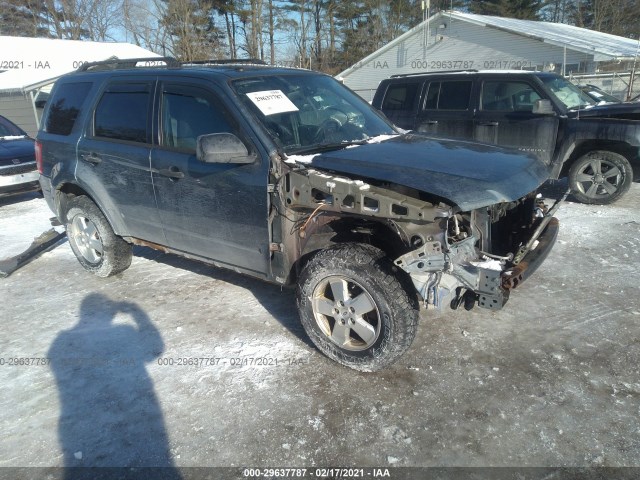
[288, 176]
[536, 112]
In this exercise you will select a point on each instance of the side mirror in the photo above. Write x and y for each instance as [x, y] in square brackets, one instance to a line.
[222, 148]
[543, 107]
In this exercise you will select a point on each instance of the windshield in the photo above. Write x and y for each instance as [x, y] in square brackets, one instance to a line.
[568, 93]
[304, 113]
[598, 95]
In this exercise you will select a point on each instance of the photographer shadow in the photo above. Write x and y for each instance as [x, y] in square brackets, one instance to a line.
[110, 415]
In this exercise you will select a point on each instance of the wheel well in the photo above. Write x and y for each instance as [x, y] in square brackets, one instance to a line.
[64, 194]
[350, 230]
[621, 148]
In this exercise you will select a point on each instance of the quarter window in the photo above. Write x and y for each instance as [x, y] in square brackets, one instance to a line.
[65, 107]
[123, 113]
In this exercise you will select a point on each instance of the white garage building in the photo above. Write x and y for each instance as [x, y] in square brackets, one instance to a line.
[35, 63]
[459, 41]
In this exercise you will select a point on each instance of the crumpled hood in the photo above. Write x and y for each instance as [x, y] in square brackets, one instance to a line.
[467, 174]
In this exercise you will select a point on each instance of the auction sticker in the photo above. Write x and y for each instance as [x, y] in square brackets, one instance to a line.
[272, 101]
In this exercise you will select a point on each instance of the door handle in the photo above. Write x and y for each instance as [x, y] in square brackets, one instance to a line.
[430, 122]
[489, 124]
[171, 172]
[91, 158]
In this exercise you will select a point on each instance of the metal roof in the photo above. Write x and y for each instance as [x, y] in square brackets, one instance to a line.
[602, 46]
[38, 61]
[560, 34]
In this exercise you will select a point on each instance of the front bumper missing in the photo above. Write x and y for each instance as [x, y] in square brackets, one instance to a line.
[443, 277]
[513, 277]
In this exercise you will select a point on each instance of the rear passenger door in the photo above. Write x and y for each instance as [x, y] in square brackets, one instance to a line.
[213, 210]
[505, 117]
[447, 109]
[114, 157]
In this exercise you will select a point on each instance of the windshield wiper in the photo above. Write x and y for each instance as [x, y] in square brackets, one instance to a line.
[582, 106]
[325, 147]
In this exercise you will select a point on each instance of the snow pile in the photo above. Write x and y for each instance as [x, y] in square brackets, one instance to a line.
[300, 158]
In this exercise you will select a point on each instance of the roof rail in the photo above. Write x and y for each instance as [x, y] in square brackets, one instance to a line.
[227, 61]
[118, 63]
[432, 72]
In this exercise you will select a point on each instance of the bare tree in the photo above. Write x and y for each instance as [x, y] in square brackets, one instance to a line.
[142, 21]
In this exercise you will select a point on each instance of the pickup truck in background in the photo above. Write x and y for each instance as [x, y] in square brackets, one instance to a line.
[535, 112]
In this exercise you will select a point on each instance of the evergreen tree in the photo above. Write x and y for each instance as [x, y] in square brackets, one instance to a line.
[522, 9]
[193, 32]
[23, 18]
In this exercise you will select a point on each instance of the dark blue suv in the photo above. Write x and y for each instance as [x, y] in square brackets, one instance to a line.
[288, 176]
[17, 160]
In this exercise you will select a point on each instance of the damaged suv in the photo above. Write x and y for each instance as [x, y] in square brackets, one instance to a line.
[288, 176]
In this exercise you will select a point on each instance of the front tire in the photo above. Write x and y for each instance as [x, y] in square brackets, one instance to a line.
[95, 245]
[600, 177]
[356, 308]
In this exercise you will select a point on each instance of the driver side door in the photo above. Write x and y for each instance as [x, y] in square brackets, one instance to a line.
[505, 117]
[213, 210]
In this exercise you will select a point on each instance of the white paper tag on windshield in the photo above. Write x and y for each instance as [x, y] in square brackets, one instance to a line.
[272, 101]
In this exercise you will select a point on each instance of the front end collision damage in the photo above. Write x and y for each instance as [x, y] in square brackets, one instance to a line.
[448, 254]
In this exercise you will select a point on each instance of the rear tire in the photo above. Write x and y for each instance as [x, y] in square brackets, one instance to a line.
[98, 249]
[356, 308]
[600, 177]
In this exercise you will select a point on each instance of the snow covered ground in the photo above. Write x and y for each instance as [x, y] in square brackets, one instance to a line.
[177, 364]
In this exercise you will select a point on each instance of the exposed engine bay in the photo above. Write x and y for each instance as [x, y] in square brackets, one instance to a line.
[454, 258]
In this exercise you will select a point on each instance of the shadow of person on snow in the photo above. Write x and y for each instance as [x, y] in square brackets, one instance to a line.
[110, 416]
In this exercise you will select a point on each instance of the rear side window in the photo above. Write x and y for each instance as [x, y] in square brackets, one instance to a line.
[448, 95]
[123, 113]
[65, 106]
[400, 97]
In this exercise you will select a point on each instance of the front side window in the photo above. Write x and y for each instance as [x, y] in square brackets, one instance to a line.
[306, 113]
[508, 97]
[189, 112]
[123, 113]
[65, 107]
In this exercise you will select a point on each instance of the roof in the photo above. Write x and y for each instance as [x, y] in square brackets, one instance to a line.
[228, 70]
[25, 80]
[38, 61]
[603, 46]
[560, 34]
